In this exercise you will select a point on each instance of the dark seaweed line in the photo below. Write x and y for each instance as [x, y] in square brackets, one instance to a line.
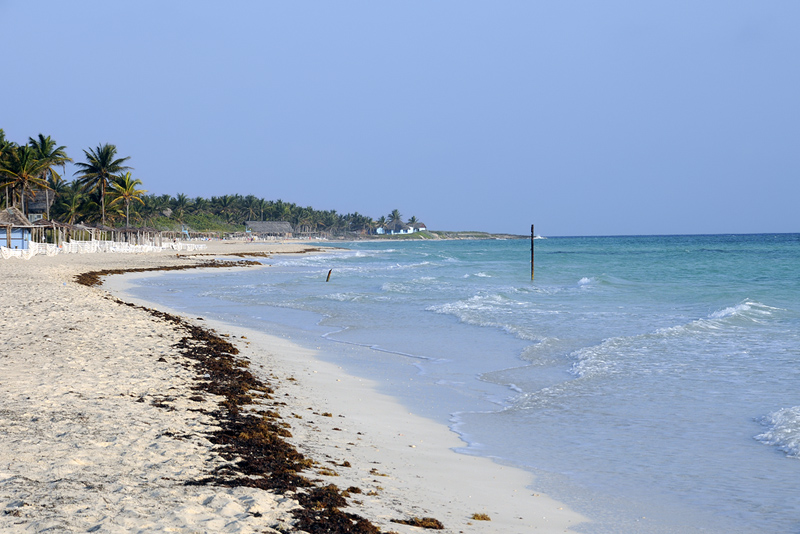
[94, 278]
[253, 442]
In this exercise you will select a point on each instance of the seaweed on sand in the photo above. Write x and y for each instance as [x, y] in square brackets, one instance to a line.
[424, 522]
[251, 441]
[321, 514]
[94, 278]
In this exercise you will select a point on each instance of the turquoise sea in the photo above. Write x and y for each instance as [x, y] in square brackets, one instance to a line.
[651, 383]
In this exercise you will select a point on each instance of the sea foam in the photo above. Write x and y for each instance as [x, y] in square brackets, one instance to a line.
[783, 431]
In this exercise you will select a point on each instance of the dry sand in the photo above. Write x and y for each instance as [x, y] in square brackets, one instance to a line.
[99, 432]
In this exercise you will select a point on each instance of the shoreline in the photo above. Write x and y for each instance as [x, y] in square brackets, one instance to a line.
[362, 436]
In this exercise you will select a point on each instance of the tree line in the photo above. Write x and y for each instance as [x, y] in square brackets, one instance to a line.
[103, 191]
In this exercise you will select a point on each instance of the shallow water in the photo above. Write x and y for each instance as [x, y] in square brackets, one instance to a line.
[652, 383]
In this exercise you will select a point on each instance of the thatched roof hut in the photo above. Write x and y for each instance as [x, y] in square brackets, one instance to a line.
[398, 227]
[132, 235]
[270, 228]
[52, 224]
[13, 217]
[18, 228]
[39, 203]
[55, 232]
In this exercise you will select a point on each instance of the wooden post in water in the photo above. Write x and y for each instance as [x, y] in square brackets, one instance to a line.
[532, 238]
[329, 276]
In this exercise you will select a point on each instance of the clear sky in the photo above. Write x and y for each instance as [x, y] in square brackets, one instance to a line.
[583, 117]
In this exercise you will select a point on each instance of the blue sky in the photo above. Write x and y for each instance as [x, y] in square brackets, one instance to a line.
[585, 118]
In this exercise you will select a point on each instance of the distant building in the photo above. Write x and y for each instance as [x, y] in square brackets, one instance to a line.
[15, 229]
[278, 229]
[39, 203]
[399, 227]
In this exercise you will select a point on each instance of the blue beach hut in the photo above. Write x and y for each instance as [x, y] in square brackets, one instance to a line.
[15, 229]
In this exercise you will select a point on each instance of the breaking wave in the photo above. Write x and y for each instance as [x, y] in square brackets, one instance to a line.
[614, 354]
[783, 431]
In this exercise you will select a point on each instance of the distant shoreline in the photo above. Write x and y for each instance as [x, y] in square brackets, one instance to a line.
[431, 235]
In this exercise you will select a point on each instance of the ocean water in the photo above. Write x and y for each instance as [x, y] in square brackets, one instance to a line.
[651, 383]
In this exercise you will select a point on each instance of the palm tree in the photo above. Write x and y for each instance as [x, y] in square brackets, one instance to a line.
[124, 190]
[199, 205]
[395, 217]
[6, 147]
[100, 170]
[252, 206]
[263, 205]
[71, 203]
[413, 220]
[52, 156]
[305, 220]
[154, 207]
[114, 214]
[23, 169]
[57, 184]
[358, 223]
[4, 144]
[278, 210]
[281, 211]
[225, 206]
[372, 225]
[179, 206]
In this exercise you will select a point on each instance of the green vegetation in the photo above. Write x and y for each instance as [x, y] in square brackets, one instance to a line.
[102, 167]
[473, 235]
[125, 190]
[416, 235]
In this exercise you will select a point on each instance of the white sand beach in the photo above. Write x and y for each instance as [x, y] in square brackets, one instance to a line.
[102, 424]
